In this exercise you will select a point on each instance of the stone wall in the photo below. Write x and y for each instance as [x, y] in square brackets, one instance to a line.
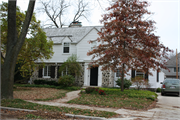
[107, 78]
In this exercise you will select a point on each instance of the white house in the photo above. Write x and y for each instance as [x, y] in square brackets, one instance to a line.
[74, 40]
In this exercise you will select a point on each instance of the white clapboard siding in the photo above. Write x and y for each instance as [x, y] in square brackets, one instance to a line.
[83, 46]
[59, 56]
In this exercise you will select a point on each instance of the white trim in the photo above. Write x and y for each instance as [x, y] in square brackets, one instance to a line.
[47, 72]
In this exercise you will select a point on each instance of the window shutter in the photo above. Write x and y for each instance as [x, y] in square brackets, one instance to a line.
[58, 72]
[40, 73]
[133, 73]
[157, 76]
[52, 71]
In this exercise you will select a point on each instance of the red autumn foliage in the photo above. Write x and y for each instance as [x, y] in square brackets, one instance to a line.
[101, 92]
[127, 39]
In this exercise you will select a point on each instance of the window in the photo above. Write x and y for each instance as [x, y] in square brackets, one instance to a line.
[93, 45]
[66, 47]
[47, 71]
[65, 72]
[139, 73]
[175, 69]
[118, 74]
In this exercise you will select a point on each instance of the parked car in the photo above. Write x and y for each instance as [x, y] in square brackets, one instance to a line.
[170, 86]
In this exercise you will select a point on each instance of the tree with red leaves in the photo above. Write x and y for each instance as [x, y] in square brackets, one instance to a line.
[127, 40]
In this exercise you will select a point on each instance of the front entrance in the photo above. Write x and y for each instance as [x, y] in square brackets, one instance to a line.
[94, 76]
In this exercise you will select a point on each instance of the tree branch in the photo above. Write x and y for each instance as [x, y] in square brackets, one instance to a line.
[26, 23]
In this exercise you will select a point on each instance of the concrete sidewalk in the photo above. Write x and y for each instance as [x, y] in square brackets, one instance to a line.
[161, 112]
[124, 113]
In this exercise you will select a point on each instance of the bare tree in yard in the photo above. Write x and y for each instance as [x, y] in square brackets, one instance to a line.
[81, 9]
[54, 9]
[57, 10]
[14, 45]
[127, 40]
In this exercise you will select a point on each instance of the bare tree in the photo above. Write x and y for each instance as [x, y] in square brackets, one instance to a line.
[56, 9]
[81, 9]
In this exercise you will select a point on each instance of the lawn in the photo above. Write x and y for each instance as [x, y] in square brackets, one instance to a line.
[129, 99]
[40, 92]
[99, 97]
[43, 94]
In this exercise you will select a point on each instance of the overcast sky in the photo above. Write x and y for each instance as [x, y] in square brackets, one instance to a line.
[166, 15]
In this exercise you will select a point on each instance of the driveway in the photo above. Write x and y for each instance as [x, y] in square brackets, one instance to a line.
[167, 108]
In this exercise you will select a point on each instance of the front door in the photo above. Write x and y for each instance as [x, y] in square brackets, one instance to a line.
[94, 76]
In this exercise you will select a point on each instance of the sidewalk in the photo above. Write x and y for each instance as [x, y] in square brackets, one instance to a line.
[124, 113]
[159, 113]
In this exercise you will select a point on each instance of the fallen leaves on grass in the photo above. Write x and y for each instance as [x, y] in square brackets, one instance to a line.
[36, 93]
[33, 115]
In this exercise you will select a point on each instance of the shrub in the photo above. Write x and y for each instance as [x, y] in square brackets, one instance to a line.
[52, 83]
[89, 90]
[66, 80]
[101, 92]
[158, 90]
[39, 82]
[43, 82]
[127, 83]
[140, 82]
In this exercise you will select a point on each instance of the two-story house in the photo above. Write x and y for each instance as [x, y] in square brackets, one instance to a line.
[171, 65]
[74, 40]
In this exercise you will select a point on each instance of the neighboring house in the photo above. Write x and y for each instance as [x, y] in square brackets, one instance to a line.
[75, 40]
[171, 65]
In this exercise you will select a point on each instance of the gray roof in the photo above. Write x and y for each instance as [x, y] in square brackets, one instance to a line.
[172, 61]
[74, 33]
[171, 64]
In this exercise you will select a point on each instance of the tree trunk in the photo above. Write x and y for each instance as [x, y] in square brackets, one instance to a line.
[7, 73]
[122, 79]
[13, 48]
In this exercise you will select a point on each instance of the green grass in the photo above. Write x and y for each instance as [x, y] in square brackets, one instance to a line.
[31, 116]
[48, 86]
[130, 99]
[18, 103]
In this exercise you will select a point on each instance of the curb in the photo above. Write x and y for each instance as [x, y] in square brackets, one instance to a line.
[68, 115]
[85, 117]
[16, 109]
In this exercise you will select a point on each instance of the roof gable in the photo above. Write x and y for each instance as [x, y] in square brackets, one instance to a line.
[74, 33]
[172, 61]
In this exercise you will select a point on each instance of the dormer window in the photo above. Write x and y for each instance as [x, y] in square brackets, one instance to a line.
[66, 47]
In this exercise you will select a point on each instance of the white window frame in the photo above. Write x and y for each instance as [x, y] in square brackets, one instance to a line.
[47, 76]
[143, 74]
[66, 72]
[63, 47]
[117, 73]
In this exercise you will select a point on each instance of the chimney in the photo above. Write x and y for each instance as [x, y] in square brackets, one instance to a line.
[75, 24]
